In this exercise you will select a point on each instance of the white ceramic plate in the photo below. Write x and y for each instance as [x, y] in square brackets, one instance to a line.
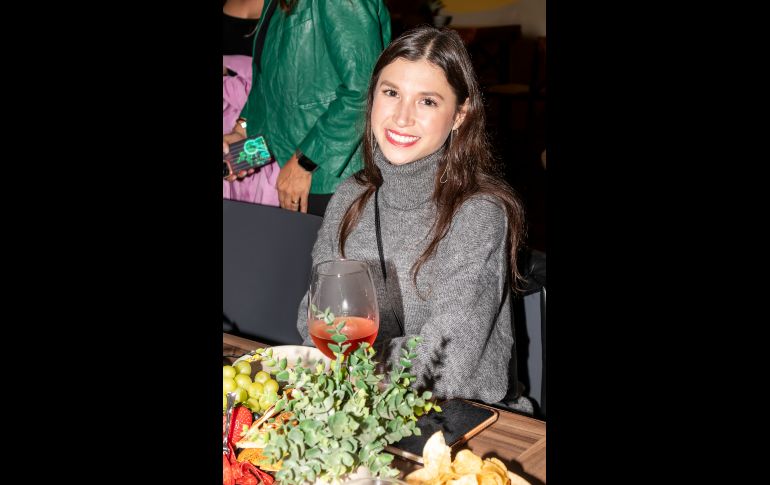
[309, 355]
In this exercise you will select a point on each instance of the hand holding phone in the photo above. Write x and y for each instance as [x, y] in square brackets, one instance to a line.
[246, 154]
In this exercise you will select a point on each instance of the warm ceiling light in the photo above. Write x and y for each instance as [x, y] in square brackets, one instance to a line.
[464, 6]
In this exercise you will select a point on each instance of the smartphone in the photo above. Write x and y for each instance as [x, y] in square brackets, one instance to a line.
[459, 420]
[246, 154]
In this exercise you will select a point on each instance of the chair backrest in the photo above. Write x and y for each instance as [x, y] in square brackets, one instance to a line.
[266, 263]
[529, 326]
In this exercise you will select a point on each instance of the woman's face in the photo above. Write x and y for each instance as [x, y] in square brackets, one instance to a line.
[414, 110]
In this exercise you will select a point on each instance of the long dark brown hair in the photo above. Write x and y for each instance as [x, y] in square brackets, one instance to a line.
[473, 169]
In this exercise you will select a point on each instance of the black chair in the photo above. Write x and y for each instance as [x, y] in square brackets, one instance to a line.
[266, 264]
[527, 369]
[529, 326]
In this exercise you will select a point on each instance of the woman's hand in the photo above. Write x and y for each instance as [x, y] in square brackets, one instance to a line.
[237, 134]
[293, 186]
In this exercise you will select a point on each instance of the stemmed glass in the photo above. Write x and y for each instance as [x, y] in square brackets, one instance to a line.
[345, 287]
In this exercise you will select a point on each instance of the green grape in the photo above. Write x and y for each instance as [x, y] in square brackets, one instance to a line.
[243, 367]
[224, 401]
[271, 386]
[255, 389]
[241, 395]
[267, 399]
[243, 380]
[228, 385]
[261, 377]
[253, 404]
[228, 371]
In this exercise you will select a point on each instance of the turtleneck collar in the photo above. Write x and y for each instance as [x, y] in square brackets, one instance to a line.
[409, 185]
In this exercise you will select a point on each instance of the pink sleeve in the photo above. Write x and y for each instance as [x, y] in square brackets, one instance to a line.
[235, 89]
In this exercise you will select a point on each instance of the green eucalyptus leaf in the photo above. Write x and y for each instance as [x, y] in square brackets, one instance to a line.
[296, 435]
[347, 459]
[282, 376]
[385, 458]
[347, 445]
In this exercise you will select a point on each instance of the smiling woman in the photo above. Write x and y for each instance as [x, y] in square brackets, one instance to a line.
[447, 228]
[413, 110]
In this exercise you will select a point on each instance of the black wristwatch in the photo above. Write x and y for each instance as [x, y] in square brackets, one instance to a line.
[305, 162]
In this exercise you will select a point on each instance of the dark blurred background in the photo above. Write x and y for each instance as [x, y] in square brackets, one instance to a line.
[507, 43]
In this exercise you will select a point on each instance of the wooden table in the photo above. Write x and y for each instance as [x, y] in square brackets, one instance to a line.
[519, 441]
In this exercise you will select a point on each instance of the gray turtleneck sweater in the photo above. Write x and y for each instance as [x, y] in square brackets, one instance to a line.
[456, 307]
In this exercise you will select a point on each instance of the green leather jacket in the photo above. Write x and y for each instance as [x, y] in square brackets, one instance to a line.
[311, 91]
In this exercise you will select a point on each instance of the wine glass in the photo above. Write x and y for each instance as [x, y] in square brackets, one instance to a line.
[345, 287]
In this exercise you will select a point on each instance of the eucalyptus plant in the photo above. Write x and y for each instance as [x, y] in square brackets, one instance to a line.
[345, 416]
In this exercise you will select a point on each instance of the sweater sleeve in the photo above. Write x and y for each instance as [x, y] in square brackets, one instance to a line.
[467, 338]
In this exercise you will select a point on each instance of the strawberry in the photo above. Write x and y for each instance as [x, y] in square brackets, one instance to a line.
[241, 417]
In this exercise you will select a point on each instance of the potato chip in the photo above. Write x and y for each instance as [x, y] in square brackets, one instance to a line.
[490, 478]
[421, 476]
[436, 459]
[469, 479]
[466, 462]
[499, 463]
[446, 477]
[493, 465]
[466, 469]
[436, 454]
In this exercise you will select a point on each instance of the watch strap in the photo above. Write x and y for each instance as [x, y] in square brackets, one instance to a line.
[305, 162]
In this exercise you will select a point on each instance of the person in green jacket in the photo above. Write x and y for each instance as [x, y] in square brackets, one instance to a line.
[312, 64]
